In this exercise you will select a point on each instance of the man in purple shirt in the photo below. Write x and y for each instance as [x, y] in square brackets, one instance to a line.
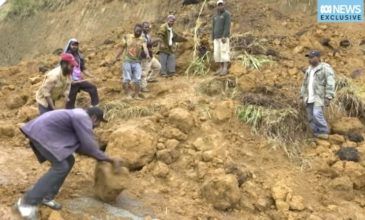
[55, 136]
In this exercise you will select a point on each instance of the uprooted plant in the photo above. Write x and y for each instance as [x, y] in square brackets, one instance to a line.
[254, 61]
[122, 110]
[279, 122]
[348, 99]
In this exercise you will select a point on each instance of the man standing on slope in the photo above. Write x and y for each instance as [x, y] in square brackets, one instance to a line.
[317, 91]
[132, 70]
[54, 137]
[168, 47]
[78, 77]
[221, 33]
[57, 82]
[152, 67]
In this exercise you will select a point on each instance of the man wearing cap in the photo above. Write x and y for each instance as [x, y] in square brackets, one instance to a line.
[167, 49]
[152, 67]
[55, 136]
[221, 33]
[56, 83]
[318, 89]
[79, 83]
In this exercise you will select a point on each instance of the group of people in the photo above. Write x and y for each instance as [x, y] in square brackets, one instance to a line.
[57, 134]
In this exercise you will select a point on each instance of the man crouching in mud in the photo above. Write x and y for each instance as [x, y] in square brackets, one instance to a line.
[54, 137]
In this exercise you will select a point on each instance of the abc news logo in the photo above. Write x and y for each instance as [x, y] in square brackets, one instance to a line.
[340, 9]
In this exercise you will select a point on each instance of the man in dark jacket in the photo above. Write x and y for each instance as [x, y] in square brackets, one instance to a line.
[55, 136]
[220, 35]
[167, 49]
[79, 83]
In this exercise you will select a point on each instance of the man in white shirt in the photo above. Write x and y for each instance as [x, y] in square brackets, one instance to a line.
[317, 91]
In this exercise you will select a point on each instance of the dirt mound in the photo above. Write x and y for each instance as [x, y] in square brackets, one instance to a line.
[134, 144]
[222, 192]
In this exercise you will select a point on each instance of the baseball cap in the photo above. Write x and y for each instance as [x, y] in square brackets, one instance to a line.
[313, 53]
[98, 112]
[220, 2]
[69, 58]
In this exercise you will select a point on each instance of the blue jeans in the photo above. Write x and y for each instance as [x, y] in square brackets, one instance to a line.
[317, 121]
[132, 72]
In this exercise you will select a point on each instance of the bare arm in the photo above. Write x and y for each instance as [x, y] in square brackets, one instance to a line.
[145, 49]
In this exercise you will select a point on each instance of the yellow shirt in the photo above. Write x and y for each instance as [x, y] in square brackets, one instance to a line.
[54, 85]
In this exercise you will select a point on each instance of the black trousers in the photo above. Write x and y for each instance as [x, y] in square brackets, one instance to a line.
[82, 86]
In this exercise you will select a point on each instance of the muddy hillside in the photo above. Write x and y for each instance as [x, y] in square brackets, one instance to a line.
[198, 146]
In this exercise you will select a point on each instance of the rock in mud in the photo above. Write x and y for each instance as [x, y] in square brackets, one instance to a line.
[345, 43]
[27, 113]
[181, 119]
[55, 215]
[174, 133]
[108, 185]
[343, 183]
[348, 154]
[133, 144]
[168, 156]
[16, 101]
[336, 139]
[355, 137]
[347, 125]
[297, 203]
[223, 111]
[172, 143]
[7, 130]
[222, 192]
[161, 170]
[212, 87]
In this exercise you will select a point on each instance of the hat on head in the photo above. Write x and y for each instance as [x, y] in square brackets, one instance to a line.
[97, 112]
[69, 58]
[220, 2]
[171, 18]
[313, 53]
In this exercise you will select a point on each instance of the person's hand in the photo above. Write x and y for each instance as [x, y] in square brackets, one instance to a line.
[224, 40]
[148, 58]
[116, 166]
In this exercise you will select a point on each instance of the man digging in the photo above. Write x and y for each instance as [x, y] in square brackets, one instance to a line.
[55, 136]
[317, 91]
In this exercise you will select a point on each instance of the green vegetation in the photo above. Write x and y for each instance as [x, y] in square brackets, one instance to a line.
[284, 127]
[200, 66]
[254, 62]
[121, 110]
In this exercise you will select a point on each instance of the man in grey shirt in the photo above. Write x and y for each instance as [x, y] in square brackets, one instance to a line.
[54, 137]
[221, 33]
